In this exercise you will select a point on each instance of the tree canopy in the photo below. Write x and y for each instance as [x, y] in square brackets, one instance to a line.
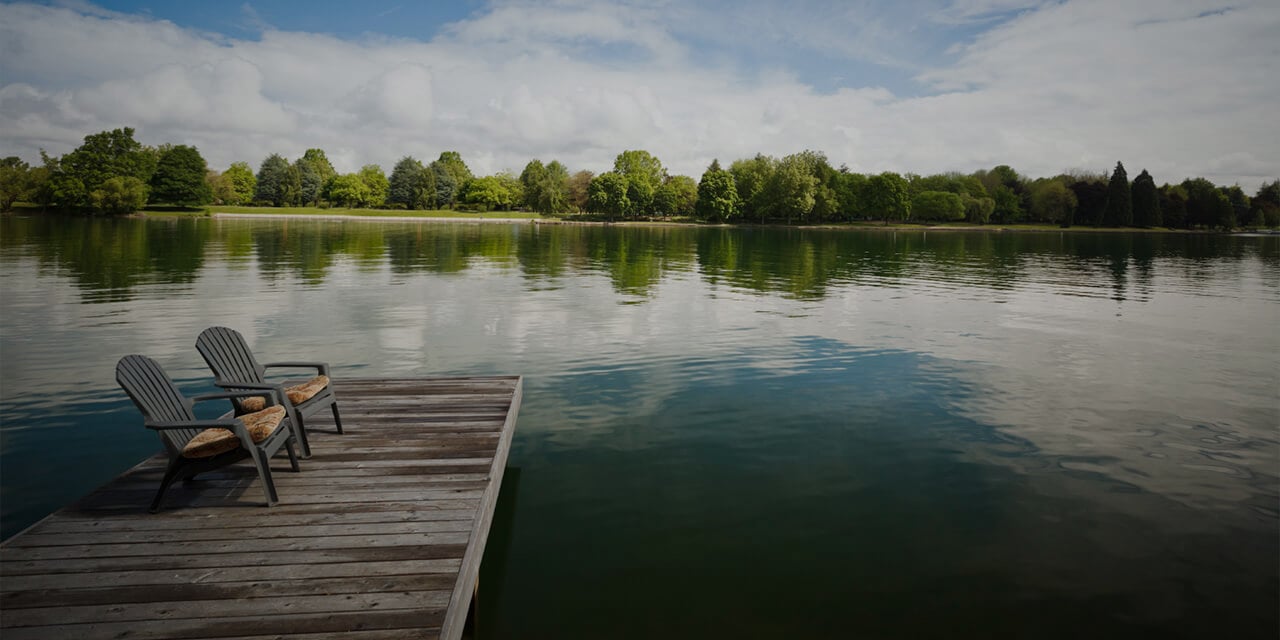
[179, 178]
[801, 187]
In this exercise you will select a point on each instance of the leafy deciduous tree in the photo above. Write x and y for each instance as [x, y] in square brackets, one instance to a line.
[348, 190]
[608, 194]
[580, 190]
[373, 177]
[118, 195]
[179, 178]
[15, 182]
[717, 195]
[937, 206]
[888, 195]
[242, 181]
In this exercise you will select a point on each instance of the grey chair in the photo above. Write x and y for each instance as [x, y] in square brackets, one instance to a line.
[234, 367]
[195, 446]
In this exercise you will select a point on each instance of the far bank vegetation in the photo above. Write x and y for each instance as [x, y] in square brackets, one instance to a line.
[112, 173]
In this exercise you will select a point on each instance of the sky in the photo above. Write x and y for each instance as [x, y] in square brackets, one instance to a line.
[1182, 88]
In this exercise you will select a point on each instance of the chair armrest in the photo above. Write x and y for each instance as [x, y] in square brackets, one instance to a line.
[227, 384]
[193, 424]
[271, 394]
[321, 367]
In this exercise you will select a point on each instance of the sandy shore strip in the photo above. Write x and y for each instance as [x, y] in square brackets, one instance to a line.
[315, 216]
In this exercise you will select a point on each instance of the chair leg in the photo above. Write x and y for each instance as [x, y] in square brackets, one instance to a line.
[170, 474]
[299, 429]
[293, 455]
[337, 420]
[263, 461]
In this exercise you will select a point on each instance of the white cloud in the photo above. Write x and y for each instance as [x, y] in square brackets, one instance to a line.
[1071, 84]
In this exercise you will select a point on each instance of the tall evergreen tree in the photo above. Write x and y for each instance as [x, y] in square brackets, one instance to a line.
[447, 185]
[405, 185]
[273, 181]
[1119, 211]
[1146, 202]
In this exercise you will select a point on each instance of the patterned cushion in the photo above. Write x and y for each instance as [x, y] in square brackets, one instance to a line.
[211, 442]
[298, 393]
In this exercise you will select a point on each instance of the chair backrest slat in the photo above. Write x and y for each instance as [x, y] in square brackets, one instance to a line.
[228, 355]
[156, 396]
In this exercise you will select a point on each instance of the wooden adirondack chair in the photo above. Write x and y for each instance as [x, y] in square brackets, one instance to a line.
[234, 367]
[195, 446]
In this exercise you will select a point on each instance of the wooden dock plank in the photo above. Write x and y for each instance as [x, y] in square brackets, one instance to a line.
[379, 536]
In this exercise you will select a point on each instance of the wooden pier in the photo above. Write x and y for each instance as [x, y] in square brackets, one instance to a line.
[379, 536]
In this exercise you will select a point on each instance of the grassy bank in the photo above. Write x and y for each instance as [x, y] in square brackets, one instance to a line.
[370, 213]
[593, 219]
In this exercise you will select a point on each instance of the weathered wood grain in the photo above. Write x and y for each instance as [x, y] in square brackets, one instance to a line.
[379, 536]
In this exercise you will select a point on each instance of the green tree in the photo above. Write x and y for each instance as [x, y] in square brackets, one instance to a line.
[750, 176]
[1008, 190]
[888, 195]
[273, 181]
[640, 165]
[311, 185]
[580, 190]
[1091, 198]
[15, 182]
[501, 191]
[555, 191]
[1052, 201]
[789, 191]
[179, 178]
[1119, 211]
[219, 187]
[717, 195]
[119, 195]
[608, 194]
[1207, 205]
[937, 206]
[447, 184]
[978, 210]
[373, 177]
[1266, 204]
[242, 181]
[449, 189]
[314, 172]
[849, 193]
[348, 190]
[545, 188]
[1146, 202]
[532, 178]
[1008, 206]
[678, 196]
[1173, 206]
[1239, 205]
[103, 156]
[408, 186]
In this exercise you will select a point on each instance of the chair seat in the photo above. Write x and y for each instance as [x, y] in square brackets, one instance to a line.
[298, 393]
[211, 442]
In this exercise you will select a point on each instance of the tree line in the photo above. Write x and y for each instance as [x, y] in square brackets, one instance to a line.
[113, 173]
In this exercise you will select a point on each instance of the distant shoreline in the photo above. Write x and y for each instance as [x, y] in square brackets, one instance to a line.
[867, 226]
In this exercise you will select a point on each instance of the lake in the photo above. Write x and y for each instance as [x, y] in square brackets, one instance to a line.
[737, 432]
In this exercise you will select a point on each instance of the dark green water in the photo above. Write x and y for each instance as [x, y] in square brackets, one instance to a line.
[739, 433]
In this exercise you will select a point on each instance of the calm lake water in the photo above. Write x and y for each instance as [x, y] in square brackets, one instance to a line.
[738, 432]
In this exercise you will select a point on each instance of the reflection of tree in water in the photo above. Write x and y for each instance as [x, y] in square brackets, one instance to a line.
[635, 259]
[107, 257]
[448, 249]
[110, 256]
